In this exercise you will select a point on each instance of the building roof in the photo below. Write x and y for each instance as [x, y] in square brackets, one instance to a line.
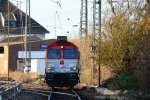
[18, 16]
[11, 16]
[19, 39]
[32, 42]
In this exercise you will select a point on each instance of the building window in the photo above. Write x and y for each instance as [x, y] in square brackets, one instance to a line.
[12, 24]
[1, 50]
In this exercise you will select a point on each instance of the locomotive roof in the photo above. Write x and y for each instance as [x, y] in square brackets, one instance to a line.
[61, 42]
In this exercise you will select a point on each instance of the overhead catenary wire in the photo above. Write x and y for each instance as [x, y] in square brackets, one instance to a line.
[58, 10]
[56, 14]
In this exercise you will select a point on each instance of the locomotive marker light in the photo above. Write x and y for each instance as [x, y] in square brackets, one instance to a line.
[73, 68]
[62, 47]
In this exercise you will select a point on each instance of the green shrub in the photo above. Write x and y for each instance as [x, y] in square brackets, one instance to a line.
[124, 82]
[128, 82]
[110, 86]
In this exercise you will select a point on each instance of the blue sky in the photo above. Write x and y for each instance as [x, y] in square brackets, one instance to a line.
[46, 12]
[64, 15]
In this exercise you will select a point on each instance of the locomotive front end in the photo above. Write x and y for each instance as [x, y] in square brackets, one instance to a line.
[62, 64]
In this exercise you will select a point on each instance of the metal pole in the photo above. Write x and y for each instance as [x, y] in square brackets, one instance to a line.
[26, 25]
[86, 15]
[84, 18]
[93, 41]
[55, 20]
[81, 15]
[29, 34]
[99, 68]
[94, 24]
[8, 36]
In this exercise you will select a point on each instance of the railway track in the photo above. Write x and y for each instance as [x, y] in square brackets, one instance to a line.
[78, 97]
[61, 94]
[54, 94]
[14, 91]
[9, 89]
[36, 92]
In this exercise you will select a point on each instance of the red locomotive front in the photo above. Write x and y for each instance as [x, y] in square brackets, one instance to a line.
[62, 63]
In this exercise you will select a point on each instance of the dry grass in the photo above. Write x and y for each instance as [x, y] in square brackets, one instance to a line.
[23, 77]
[3, 77]
[106, 73]
[85, 68]
[86, 75]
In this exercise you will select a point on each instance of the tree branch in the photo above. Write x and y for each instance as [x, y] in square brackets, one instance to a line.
[112, 7]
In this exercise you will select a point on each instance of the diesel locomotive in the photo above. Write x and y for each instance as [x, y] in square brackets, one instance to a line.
[62, 63]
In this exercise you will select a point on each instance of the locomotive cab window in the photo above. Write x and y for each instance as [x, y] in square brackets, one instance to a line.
[54, 53]
[70, 53]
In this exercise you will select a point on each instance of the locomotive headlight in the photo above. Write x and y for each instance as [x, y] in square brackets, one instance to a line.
[50, 68]
[73, 68]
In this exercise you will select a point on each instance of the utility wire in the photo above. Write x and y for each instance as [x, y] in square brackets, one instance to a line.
[56, 13]
[59, 3]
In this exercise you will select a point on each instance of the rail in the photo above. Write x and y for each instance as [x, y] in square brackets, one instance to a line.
[37, 92]
[76, 94]
[72, 93]
[9, 90]
[50, 95]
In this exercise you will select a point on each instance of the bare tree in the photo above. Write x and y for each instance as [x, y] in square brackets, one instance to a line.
[126, 47]
[112, 7]
[148, 6]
